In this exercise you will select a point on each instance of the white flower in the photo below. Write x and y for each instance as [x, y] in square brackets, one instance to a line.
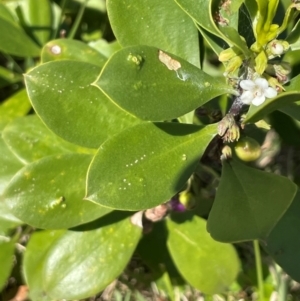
[256, 91]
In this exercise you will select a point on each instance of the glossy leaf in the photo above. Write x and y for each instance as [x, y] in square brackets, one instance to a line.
[39, 15]
[49, 193]
[62, 95]
[66, 49]
[37, 249]
[206, 264]
[29, 139]
[283, 243]
[15, 106]
[148, 23]
[294, 37]
[80, 264]
[9, 165]
[291, 94]
[257, 113]
[7, 220]
[145, 80]
[293, 110]
[201, 12]
[6, 259]
[105, 48]
[146, 165]
[15, 41]
[243, 197]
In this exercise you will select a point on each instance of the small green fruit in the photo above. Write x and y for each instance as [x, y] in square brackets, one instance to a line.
[247, 149]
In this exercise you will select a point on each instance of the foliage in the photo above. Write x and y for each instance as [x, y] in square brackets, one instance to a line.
[121, 140]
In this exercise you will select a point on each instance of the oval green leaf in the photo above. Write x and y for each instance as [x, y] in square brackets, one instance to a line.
[49, 193]
[9, 165]
[29, 139]
[206, 264]
[151, 23]
[34, 259]
[66, 49]
[6, 259]
[15, 41]
[146, 165]
[15, 106]
[283, 243]
[39, 17]
[154, 85]
[243, 197]
[62, 95]
[78, 264]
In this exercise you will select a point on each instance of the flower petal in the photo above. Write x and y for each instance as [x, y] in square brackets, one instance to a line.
[247, 97]
[270, 92]
[247, 84]
[258, 100]
[262, 83]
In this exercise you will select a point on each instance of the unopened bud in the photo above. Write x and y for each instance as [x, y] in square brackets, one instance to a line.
[233, 65]
[277, 48]
[187, 199]
[226, 152]
[227, 55]
[261, 62]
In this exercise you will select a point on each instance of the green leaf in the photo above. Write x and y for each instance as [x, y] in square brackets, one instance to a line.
[9, 165]
[6, 259]
[37, 249]
[5, 13]
[16, 105]
[8, 77]
[7, 220]
[283, 243]
[291, 95]
[66, 49]
[294, 37]
[49, 193]
[243, 197]
[29, 139]
[155, 23]
[201, 12]
[153, 251]
[80, 264]
[146, 165]
[62, 95]
[15, 41]
[144, 85]
[39, 15]
[257, 113]
[191, 246]
[105, 48]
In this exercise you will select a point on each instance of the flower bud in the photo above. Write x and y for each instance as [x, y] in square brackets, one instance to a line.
[261, 62]
[226, 152]
[187, 199]
[277, 48]
[226, 55]
[234, 64]
[247, 149]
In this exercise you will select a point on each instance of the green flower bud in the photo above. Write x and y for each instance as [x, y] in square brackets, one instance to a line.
[233, 65]
[187, 199]
[226, 55]
[247, 149]
[261, 62]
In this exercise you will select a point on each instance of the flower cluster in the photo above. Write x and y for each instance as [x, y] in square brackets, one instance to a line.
[255, 92]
